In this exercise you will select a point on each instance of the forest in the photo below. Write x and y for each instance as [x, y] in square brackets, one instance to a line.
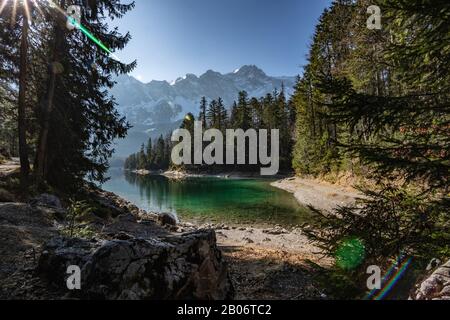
[375, 103]
[269, 112]
[56, 111]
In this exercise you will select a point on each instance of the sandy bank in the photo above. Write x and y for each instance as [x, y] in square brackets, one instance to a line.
[321, 195]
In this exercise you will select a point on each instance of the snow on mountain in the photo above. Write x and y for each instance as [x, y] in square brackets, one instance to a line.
[157, 107]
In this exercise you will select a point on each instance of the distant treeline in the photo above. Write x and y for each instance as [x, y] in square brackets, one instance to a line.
[152, 156]
[270, 112]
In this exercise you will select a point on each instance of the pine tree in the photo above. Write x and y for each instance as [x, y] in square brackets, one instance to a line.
[149, 155]
[222, 117]
[203, 108]
[23, 83]
[393, 117]
[212, 115]
[142, 158]
[82, 111]
[233, 121]
[160, 152]
[10, 35]
[244, 113]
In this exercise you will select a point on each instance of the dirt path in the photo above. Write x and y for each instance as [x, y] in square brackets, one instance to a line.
[9, 167]
[319, 194]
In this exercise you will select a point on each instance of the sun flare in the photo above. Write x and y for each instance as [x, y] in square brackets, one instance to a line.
[25, 4]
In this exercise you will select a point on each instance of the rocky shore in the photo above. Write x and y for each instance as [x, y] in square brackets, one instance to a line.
[128, 254]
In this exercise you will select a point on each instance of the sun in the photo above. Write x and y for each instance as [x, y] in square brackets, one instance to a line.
[26, 4]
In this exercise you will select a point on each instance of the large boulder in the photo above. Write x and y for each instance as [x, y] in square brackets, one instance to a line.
[47, 201]
[436, 286]
[173, 267]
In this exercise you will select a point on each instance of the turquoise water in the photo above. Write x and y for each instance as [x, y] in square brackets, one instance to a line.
[233, 201]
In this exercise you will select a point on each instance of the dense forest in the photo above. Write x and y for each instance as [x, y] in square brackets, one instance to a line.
[376, 103]
[152, 156]
[270, 112]
[56, 112]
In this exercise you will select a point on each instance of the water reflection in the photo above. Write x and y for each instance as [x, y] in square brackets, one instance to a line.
[209, 199]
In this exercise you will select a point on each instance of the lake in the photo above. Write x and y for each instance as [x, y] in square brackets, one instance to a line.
[210, 200]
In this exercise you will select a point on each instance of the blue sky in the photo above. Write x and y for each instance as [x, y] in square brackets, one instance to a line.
[175, 37]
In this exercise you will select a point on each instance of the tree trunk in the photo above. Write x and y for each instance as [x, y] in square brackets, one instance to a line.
[22, 126]
[42, 152]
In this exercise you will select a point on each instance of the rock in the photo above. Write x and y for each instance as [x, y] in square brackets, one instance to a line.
[6, 196]
[434, 263]
[167, 219]
[48, 201]
[436, 286]
[222, 227]
[185, 267]
[221, 234]
[127, 218]
[248, 240]
[278, 230]
[59, 254]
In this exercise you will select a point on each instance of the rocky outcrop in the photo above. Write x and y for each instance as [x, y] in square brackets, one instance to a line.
[435, 287]
[129, 255]
[173, 267]
[47, 201]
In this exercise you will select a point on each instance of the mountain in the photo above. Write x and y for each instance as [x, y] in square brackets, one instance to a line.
[157, 107]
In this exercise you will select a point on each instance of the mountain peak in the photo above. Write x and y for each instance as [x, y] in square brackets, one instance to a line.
[250, 70]
[210, 73]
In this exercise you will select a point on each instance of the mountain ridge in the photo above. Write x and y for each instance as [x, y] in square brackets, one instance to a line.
[156, 107]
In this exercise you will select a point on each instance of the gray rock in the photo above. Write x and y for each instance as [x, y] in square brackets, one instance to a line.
[48, 201]
[436, 286]
[185, 267]
[276, 231]
[434, 263]
[167, 219]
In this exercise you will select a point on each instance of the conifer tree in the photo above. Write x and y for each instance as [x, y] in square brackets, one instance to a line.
[149, 155]
[82, 110]
[393, 118]
[212, 115]
[203, 108]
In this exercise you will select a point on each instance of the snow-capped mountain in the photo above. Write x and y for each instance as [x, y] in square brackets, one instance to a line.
[157, 107]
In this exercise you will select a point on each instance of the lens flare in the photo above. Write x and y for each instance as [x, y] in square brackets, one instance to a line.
[350, 254]
[392, 277]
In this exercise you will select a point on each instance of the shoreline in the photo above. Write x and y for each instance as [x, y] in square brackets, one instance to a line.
[318, 194]
[180, 175]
